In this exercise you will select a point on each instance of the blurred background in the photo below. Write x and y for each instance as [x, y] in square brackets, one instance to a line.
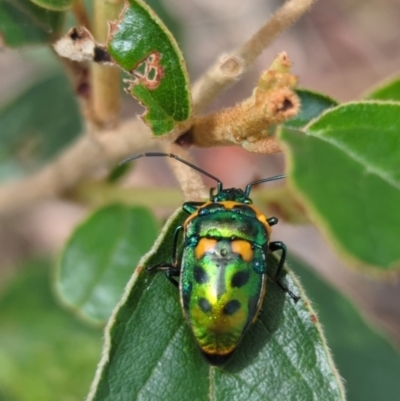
[340, 48]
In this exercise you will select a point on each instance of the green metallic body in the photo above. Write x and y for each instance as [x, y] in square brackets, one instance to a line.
[223, 274]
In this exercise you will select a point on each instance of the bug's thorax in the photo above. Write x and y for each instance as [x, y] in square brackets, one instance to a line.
[236, 205]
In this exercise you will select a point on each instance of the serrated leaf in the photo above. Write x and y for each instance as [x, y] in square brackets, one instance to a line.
[143, 47]
[389, 90]
[368, 363]
[345, 167]
[37, 124]
[24, 23]
[150, 353]
[55, 5]
[100, 257]
[312, 105]
[45, 353]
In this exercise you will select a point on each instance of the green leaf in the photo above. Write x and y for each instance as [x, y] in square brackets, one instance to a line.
[55, 5]
[150, 354]
[368, 363]
[312, 105]
[36, 125]
[170, 18]
[345, 167]
[23, 23]
[101, 256]
[143, 47]
[45, 354]
[389, 90]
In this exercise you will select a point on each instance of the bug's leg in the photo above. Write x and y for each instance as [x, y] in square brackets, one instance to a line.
[175, 245]
[191, 207]
[276, 246]
[171, 269]
[272, 220]
[171, 273]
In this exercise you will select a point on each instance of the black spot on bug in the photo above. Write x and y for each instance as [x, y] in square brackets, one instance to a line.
[231, 307]
[204, 305]
[200, 275]
[240, 279]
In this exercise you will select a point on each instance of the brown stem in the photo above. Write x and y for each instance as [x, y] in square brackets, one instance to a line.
[251, 123]
[229, 68]
[79, 10]
[78, 162]
[105, 79]
[190, 180]
[79, 76]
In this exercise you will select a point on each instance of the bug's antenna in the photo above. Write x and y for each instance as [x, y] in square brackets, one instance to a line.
[156, 154]
[248, 186]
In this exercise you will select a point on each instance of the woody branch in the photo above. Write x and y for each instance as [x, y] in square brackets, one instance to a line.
[92, 152]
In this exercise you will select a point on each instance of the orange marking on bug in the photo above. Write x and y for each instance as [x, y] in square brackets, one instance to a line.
[243, 248]
[230, 204]
[205, 245]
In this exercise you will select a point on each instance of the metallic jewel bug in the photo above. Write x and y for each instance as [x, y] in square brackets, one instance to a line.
[223, 268]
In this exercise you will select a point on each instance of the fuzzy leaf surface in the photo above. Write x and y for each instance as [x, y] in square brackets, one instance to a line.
[345, 168]
[142, 46]
[24, 23]
[149, 352]
[389, 90]
[366, 360]
[100, 257]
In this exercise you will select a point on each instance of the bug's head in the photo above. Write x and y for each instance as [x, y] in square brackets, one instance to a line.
[230, 194]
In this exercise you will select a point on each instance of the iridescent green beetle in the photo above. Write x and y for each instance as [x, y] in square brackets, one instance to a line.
[223, 268]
